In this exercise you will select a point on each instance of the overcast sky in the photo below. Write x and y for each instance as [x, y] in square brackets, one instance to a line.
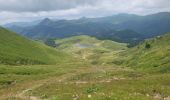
[25, 10]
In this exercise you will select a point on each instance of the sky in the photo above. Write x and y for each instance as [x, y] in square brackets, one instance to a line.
[27, 10]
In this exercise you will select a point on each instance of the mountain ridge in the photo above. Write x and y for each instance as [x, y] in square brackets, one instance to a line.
[110, 27]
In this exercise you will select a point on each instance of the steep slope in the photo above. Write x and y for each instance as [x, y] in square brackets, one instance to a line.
[15, 49]
[153, 54]
[91, 49]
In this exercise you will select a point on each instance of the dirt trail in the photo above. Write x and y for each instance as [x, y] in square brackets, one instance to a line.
[23, 94]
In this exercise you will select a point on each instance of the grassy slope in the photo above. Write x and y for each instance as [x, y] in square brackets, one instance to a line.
[91, 49]
[66, 81]
[15, 49]
[155, 58]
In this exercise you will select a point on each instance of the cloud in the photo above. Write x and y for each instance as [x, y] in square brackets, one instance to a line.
[52, 5]
[42, 5]
[20, 10]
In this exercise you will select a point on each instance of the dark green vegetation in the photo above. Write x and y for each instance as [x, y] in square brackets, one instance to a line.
[85, 68]
[15, 49]
[50, 42]
[127, 28]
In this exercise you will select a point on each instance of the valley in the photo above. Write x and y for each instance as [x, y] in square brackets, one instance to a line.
[84, 67]
[91, 49]
[84, 50]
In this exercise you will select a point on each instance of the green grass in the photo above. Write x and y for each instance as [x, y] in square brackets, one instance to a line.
[87, 40]
[92, 50]
[104, 83]
[15, 49]
[156, 58]
[83, 67]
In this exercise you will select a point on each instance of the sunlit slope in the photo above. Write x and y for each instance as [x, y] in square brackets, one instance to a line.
[153, 54]
[15, 49]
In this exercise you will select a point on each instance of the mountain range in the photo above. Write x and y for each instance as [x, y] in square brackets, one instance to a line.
[127, 28]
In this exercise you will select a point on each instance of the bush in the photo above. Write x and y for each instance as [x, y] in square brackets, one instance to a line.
[92, 89]
[147, 46]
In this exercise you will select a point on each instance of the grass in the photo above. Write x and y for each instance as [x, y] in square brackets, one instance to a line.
[15, 49]
[91, 49]
[156, 58]
[60, 82]
[89, 69]
[18, 76]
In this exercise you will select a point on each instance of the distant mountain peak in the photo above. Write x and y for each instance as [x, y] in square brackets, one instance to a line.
[46, 21]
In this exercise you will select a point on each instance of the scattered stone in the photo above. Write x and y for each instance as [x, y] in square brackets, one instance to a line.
[147, 95]
[157, 97]
[167, 98]
[103, 93]
[89, 96]
[76, 97]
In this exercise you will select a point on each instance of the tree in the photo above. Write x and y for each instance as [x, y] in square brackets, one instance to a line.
[50, 42]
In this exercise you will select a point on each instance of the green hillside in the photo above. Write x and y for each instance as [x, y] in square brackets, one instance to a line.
[91, 49]
[152, 54]
[97, 74]
[15, 49]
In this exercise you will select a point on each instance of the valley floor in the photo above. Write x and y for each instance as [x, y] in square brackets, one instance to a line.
[81, 82]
